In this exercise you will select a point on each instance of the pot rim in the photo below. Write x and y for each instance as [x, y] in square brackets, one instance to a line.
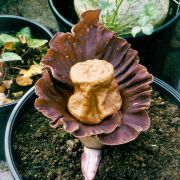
[163, 26]
[8, 105]
[30, 21]
[38, 25]
[8, 134]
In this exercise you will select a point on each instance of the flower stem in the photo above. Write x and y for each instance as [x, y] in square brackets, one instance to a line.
[91, 142]
[90, 160]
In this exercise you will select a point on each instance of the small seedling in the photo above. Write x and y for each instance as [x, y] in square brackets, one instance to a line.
[121, 17]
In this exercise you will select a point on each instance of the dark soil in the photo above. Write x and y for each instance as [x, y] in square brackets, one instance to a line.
[44, 153]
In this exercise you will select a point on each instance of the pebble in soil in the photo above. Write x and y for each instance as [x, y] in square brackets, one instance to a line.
[42, 152]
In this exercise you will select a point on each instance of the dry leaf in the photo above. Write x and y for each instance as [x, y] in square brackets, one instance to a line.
[17, 94]
[1, 69]
[4, 99]
[24, 81]
[1, 64]
[9, 46]
[22, 38]
[2, 88]
[2, 96]
[23, 71]
[8, 83]
[33, 71]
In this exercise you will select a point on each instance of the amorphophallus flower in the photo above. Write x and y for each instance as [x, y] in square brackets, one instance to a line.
[94, 86]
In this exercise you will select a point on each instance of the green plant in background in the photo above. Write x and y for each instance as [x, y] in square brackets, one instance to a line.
[127, 17]
[145, 20]
[10, 45]
[20, 55]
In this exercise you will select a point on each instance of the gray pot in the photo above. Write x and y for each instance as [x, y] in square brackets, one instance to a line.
[10, 24]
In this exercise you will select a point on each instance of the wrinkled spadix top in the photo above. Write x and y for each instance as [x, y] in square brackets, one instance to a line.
[96, 93]
[92, 72]
[91, 40]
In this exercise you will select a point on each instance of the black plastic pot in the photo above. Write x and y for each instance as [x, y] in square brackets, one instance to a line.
[152, 49]
[29, 97]
[11, 24]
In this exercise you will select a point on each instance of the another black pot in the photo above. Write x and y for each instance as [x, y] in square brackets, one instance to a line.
[29, 98]
[152, 49]
[11, 24]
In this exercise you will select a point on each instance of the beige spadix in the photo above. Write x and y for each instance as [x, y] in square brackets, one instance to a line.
[96, 94]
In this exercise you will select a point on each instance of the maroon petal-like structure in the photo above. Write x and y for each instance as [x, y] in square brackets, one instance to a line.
[52, 102]
[91, 40]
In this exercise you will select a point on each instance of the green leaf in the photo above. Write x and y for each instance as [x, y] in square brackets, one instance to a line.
[1, 44]
[135, 31]
[130, 1]
[35, 43]
[90, 2]
[143, 20]
[151, 10]
[24, 32]
[148, 29]
[10, 56]
[94, 2]
[103, 4]
[106, 7]
[8, 38]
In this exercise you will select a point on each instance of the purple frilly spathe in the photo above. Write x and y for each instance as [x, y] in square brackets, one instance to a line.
[91, 40]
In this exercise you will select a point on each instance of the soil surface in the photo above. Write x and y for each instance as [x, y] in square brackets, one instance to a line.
[42, 152]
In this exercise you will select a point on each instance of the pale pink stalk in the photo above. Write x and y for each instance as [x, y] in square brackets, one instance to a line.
[90, 160]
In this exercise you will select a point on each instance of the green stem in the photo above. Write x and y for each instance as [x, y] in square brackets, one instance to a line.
[94, 2]
[116, 11]
[123, 34]
[122, 19]
[8, 93]
[25, 52]
[127, 22]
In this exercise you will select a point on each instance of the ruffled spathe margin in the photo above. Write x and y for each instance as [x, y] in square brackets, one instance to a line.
[91, 40]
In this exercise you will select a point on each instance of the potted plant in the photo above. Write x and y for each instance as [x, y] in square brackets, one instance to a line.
[19, 49]
[152, 46]
[99, 93]
[29, 160]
